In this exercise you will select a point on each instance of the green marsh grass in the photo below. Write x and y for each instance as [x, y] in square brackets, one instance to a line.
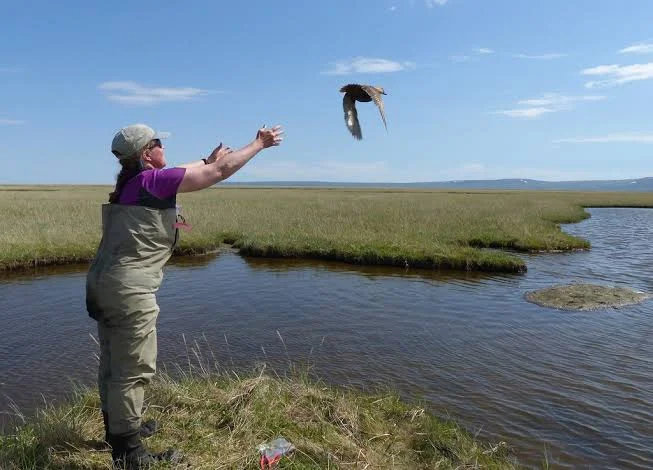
[217, 419]
[469, 230]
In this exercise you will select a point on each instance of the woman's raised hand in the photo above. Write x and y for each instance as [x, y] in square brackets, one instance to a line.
[270, 137]
[219, 152]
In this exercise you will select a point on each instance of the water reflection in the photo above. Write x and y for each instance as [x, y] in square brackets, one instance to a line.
[35, 273]
[198, 260]
[373, 272]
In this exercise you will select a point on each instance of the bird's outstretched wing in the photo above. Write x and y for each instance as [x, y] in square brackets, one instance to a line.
[376, 97]
[351, 116]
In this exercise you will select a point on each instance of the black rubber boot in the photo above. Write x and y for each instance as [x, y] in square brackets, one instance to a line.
[128, 453]
[148, 428]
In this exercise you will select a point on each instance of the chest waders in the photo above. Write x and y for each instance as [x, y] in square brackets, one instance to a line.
[121, 284]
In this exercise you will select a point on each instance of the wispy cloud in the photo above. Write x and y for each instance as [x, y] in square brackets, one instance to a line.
[641, 48]
[547, 103]
[624, 137]
[547, 56]
[527, 113]
[469, 58]
[134, 93]
[618, 74]
[367, 65]
[435, 3]
[559, 101]
[11, 122]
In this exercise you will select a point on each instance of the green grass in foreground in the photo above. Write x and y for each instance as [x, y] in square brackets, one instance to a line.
[217, 420]
[429, 229]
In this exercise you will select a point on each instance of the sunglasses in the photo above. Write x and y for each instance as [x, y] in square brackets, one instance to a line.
[155, 143]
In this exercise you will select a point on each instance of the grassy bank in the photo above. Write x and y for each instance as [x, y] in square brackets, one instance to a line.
[218, 420]
[429, 229]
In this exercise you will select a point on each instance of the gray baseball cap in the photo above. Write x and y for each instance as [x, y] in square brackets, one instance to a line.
[129, 140]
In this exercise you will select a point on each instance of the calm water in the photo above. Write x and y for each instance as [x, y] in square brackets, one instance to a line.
[576, 386]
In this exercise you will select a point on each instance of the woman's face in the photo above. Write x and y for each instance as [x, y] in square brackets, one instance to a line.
[155, 155]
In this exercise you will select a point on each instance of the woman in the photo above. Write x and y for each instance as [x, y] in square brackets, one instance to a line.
[139, 231]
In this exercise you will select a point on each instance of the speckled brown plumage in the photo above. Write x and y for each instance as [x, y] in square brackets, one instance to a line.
[363, 93]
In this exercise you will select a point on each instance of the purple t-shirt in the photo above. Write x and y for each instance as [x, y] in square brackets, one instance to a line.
[153, 188]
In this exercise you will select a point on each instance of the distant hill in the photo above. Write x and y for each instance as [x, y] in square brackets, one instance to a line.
[640, 184]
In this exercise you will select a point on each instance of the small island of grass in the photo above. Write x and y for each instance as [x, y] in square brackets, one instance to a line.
[579, 296]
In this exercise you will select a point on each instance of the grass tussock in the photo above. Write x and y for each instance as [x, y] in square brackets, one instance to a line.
[431, 229]
[580, 296]
[218, 420]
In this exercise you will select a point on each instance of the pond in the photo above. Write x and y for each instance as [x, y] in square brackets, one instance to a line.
[574, 386]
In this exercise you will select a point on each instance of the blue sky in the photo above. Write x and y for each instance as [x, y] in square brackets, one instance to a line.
[552, 90]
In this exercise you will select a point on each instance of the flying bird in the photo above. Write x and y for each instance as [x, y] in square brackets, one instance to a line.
[363, 93]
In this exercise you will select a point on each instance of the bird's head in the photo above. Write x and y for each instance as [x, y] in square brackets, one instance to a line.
[380, 90]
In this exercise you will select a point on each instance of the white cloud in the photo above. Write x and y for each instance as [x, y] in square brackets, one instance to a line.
[547, 103]
[11, 122]
[624, 137]
[527, 113]
[547, 56]
[134, 93]
[559, 101]
[470, 58]
[392, 8]
[618, 74]
[433, 3]
[368, 65]
[640, 48]
[601, 70]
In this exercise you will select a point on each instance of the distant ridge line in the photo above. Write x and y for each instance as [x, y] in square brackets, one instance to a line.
[637, 184]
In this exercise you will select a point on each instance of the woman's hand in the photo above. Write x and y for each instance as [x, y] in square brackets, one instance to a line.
[226, 162]
[218, 153]
[269, 137]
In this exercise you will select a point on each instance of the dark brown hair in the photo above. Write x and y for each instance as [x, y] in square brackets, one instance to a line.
[130, 168]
